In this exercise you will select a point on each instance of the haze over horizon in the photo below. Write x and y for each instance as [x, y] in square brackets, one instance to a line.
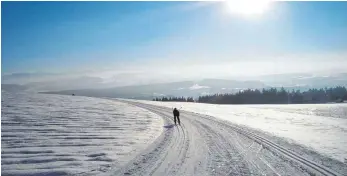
[156, 41]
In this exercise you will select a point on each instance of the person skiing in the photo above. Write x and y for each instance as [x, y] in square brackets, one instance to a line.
[176, 114]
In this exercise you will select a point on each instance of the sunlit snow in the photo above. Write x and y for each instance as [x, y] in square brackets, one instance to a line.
[60, 135]
[321, 127]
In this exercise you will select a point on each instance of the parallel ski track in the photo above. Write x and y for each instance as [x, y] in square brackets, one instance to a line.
[312, 166]
[150, 161]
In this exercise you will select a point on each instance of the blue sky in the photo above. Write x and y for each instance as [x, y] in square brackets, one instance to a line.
[101, 37]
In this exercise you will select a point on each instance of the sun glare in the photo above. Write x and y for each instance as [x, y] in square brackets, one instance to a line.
[248, 7]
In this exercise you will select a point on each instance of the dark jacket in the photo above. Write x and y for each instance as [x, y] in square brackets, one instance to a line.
[176, 112]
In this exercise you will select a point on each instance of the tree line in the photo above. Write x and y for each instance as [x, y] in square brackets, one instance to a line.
[177, 99]
[278, 96]
[269, 96]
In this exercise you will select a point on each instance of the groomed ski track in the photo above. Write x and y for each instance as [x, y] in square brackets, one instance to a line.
[203, 145]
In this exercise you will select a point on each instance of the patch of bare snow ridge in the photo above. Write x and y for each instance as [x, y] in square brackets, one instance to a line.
[69, 135]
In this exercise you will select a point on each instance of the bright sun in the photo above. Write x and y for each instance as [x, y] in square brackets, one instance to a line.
[248, 7]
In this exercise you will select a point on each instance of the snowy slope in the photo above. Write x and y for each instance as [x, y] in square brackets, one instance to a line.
[322, 128]
[61, 135]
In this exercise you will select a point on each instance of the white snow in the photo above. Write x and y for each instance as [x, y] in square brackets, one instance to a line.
[71, 135]
[321, 127]
[61, 135]
[197, 86]
[158, 94]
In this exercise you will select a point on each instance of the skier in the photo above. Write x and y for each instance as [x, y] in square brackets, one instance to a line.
[176, 113]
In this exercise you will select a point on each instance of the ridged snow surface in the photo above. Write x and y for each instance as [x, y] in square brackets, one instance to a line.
[60, 135]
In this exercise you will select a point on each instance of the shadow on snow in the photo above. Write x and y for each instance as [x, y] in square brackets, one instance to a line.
[169, 126]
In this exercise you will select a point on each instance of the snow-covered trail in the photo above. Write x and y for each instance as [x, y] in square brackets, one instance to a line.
[204, 145]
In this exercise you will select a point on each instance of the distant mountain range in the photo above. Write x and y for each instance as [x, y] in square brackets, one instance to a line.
[184, 88]
[13, 87]
[94, 86]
